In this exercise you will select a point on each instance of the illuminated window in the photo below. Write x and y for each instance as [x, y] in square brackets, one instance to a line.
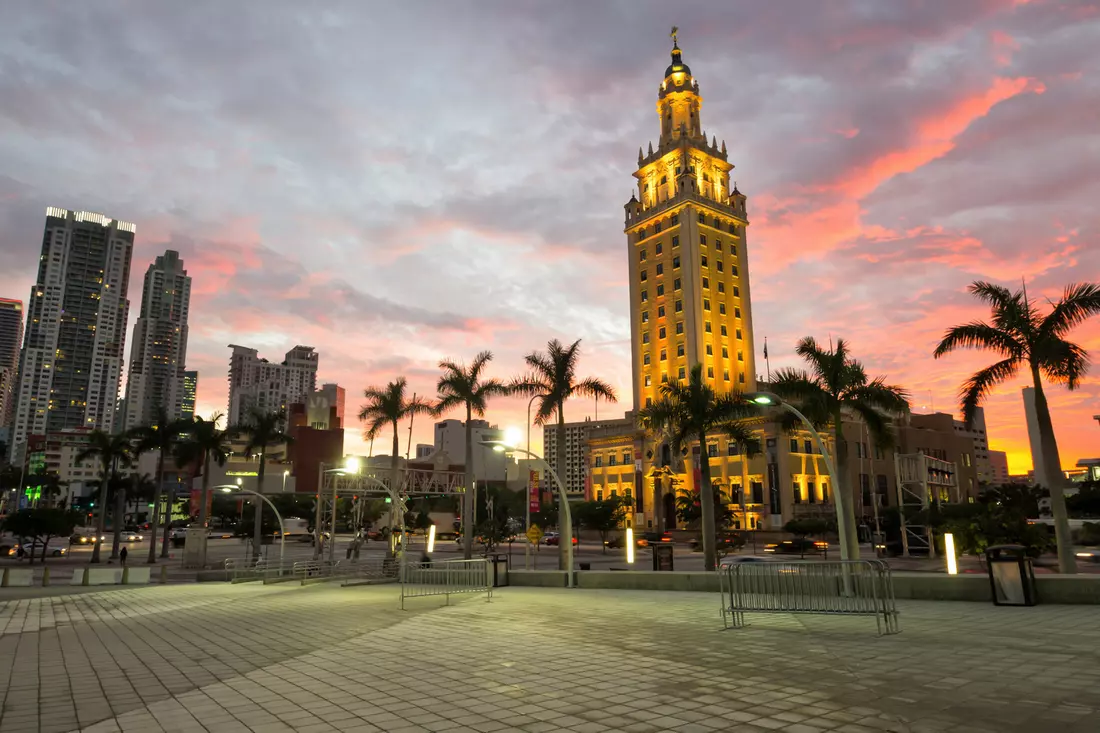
[675, 262]
[679, 306]
[664, 355]
[680, 328]
[645, 296]
[660, 290]
[645, 316]
[675, 241]
[648, 379]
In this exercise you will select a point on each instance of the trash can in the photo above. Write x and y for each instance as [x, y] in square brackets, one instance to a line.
[500, 569]
[662, 557]
[1011, 576]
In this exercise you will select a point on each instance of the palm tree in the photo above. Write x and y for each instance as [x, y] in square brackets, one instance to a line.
[386, 407]
[205, 443]
[161, 436]
[462, 385]
[693, 411]
[1028, 340]
[262, 429]
[113, 452]
[837, 384]
[553, 378]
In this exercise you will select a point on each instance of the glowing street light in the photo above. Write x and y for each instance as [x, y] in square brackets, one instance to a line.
[230, 489]
[769, 399]
[566, 527]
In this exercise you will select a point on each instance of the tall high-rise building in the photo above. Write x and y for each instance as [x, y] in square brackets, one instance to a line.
[190, 390]
[71, 364]
[257, 383]
[11, 336]
[689, 272]
[158, 351]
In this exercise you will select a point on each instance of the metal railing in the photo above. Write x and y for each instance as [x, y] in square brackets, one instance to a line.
[369, 571]
[838, 588]
[446, 578]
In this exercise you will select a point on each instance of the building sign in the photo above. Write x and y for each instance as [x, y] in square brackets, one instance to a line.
[196, 502]
[533, 490]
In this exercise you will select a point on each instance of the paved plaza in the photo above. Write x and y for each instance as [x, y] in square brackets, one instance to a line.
[216, 657]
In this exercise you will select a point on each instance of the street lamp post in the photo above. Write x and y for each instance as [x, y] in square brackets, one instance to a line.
[767, 399]
[527, 501]
[566, 535]
[230, 488]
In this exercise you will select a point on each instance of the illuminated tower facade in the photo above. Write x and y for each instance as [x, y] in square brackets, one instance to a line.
[689, 273]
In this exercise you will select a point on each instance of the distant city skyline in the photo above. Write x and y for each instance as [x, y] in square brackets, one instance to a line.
[889, 158]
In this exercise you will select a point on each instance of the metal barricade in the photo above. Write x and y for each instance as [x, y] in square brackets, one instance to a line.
[308, 569]
[369, 571]
[839, 588]
[446, 578]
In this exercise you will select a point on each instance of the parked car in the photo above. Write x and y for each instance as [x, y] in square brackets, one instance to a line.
[554, 538]
[799, 546]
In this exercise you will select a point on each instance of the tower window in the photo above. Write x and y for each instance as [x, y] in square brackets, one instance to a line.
[646, 359]
[664, 355]
[658, 249]
[660, 290]
[644, 276]
[733, 248]
[645, 295]
[736, 292]
[717, 242]
[679, 328]
[718, 264]
[740, 356]
[648, 379]
[645, 316]
[648, 401]
[660, 269]
[722, 308]
[733, 269]
[645, 337]
[721, 287]
[676, 284]
[680, 349]
[660, 311]
[664, 379]
[641, 232]
[642, 255]
[738, 334]
[681, 374]
[676, 217]
[657, 226]
[661, 332]
[702, 217]
[706, 327]
[710, 372]
[664, 179]
[703, 261]
[675, 241]
[710, 350]
[741, 377]
[703, 239]
[706, 304]
[725, 353]
[706, 280]
[724, 330]
[726, 375]
[679, 306]
[675, 262]
[736, 312]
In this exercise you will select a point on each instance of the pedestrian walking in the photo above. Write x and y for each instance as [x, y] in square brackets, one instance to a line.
[122, 555]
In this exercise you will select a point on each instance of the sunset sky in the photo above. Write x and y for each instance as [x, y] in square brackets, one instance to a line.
[396, 183]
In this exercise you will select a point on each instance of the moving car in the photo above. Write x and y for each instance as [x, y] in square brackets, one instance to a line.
[554, 538]
[54, 548]
[130, 536]
[799, 546]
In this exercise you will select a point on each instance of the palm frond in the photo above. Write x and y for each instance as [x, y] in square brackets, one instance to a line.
[997, 296]
[595, 387]
[1064, 362]
[1078, 303]
[979, 335]
[978, 386]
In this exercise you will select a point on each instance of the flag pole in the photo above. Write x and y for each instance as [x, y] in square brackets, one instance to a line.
[767, 363]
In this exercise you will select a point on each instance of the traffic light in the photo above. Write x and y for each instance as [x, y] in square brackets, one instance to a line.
[389, 500]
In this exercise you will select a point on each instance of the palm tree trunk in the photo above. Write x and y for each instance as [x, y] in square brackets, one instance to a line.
[257, 524]
[395, 488]
[744, 485]
[565, 531]
[706, 504]
[169, 500]
[1054, 480]
[101, 520]
[120, 511]
[204, 500]
[844, 510]
[468, 496]
[156, 510]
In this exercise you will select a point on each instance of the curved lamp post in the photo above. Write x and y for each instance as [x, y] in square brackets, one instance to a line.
[231, 488]
[566, 535]
[768, 399]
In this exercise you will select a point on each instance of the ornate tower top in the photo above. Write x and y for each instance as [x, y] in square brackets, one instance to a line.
[678, 99]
